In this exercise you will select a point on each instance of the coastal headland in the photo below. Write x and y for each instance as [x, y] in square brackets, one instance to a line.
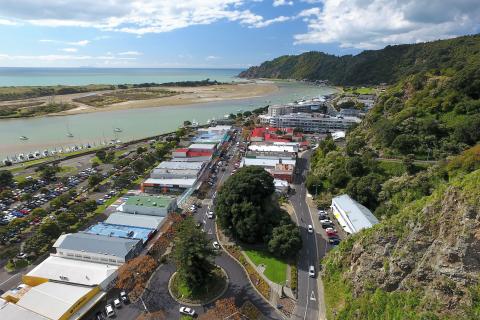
[130, 98]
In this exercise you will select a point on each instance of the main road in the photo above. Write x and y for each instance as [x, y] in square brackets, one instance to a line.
[310, 300]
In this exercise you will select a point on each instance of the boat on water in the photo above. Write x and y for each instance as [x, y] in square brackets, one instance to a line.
[194, 124]
[23, 138]
[69, 133]
[117, 130]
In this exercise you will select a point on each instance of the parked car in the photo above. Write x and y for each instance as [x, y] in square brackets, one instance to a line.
[109, 311]
[216, 245]
[124, 297]
[117, 303]
[210, 214]
[187, 311]
[334, 240]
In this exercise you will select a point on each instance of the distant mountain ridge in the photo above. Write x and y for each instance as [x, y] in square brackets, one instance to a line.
[370, 67]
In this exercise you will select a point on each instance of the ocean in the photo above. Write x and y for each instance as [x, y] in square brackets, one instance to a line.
[84, 76]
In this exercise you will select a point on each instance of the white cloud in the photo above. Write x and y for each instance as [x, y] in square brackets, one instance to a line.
[371, 24]
[212, 58]
[57, 57]
[80, 43]
[266, 23]
[6, 22]
[278, 3]
[130, 53]
[135, 16]
[69, 49]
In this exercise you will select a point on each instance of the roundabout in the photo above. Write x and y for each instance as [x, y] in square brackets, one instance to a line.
[215, 288]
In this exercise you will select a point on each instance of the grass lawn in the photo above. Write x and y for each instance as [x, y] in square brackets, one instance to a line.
[275, 269]
[360, 90]
[212, 289]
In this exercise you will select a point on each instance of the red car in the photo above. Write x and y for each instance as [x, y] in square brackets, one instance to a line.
[331, 233]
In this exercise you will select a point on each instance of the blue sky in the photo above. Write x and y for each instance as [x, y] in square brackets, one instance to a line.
[216, 33]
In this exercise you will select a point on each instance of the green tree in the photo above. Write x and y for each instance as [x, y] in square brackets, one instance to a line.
[6, 194]
[66, 219]
[38, 212]
[405, 143]
[94, 180]
[101, 154]
[245, 205]
[366, 190]
[109, 157]
[48, 172]
[6, 179]
[193, 254]
[50, 228]
[285, 241]
[26, 197]
[141, 150]
[139, 166]
[124, 180]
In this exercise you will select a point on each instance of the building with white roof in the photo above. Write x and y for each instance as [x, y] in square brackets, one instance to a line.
[135, 220]
[179, 165]
[275, 147]
[266, 163]
[58, 301]
[152, 185]
[309, 122]
[11, 311]
[351, 215]
[70, 271]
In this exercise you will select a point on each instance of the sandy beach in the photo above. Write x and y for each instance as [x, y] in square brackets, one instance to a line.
[183, 96]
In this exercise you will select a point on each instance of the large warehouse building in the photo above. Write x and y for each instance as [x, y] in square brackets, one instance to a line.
[351, 215]
[96, 248]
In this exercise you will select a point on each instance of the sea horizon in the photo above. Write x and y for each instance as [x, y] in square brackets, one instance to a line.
[47, 76]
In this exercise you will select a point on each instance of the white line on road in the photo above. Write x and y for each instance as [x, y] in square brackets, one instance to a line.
[15, 275]
[312, 296]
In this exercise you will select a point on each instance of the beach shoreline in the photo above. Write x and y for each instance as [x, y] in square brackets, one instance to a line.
[183, 96]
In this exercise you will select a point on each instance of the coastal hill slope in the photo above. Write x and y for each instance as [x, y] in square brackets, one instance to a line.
[387, 65]
[422, 261]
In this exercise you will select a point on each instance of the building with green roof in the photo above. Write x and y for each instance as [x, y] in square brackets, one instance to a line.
[157, 205]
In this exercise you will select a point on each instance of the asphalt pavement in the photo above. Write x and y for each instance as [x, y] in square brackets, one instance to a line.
[310, 254]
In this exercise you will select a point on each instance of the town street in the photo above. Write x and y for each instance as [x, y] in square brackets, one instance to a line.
[314, 247]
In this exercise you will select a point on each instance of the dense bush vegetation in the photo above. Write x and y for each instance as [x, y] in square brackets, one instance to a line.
[373, 66]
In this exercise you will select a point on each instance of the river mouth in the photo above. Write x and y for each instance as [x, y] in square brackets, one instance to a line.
[48, 133]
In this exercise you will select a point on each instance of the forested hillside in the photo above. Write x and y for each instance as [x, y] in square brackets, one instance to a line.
[422, 261]
[387, 65]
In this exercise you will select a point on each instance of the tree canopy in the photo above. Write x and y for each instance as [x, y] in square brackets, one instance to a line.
[193, 254]
[245, 205]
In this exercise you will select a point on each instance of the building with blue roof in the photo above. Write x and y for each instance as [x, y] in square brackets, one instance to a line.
[121, 231]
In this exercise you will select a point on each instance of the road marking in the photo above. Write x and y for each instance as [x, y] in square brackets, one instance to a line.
[15, 275]
[210, 231]
[312, 296]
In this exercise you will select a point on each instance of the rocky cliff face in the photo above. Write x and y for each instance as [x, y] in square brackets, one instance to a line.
[432, 249]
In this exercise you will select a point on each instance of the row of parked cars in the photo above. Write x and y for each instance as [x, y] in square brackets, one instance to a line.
[329, 227]
[110, 308]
